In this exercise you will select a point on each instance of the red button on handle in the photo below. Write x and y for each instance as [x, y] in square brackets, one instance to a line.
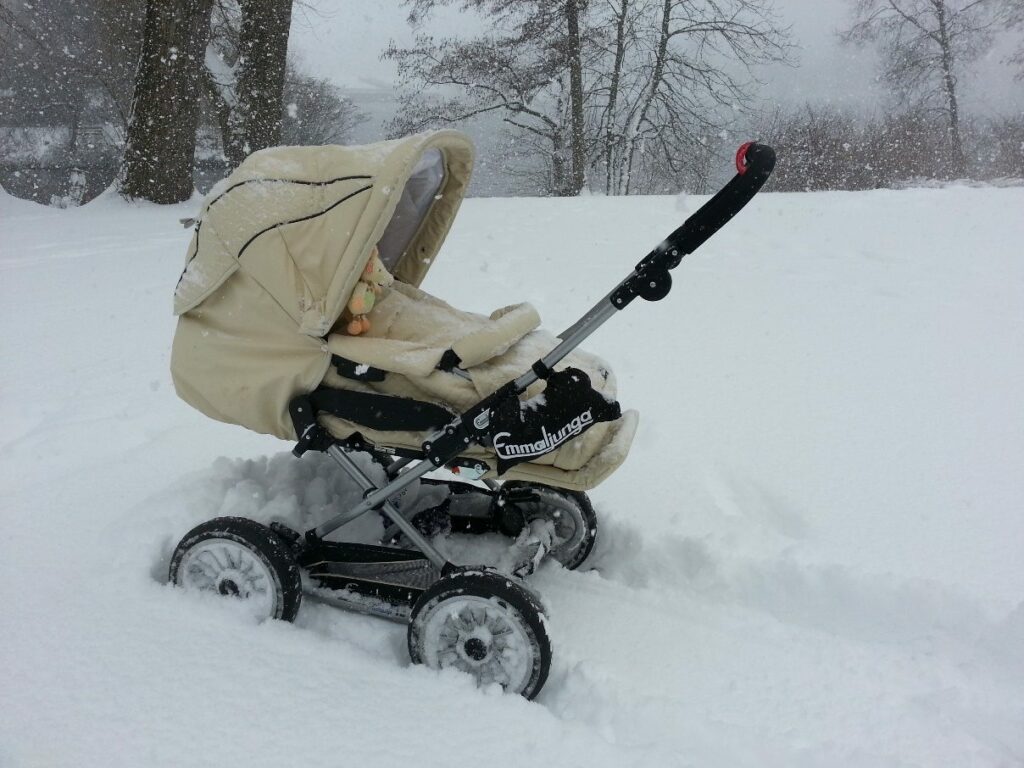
[741, 157]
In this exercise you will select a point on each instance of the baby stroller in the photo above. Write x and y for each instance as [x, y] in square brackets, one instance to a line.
[524, 422]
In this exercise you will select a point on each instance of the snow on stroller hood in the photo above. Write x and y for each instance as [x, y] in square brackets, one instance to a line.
[322, 209]
[277, 251]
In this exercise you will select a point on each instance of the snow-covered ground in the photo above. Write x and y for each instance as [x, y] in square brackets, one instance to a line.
[813, 556]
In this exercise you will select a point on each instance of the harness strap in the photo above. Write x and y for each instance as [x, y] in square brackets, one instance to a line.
[350, 369]
[384, 412]
[449, 361]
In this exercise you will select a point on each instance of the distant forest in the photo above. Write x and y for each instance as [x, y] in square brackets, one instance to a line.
[619, 97]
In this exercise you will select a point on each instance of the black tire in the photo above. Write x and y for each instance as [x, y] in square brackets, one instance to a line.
[241, 558]
[461, 619]
[574, 558]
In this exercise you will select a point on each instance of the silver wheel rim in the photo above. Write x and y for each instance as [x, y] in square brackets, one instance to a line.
[565, 515]
[480, 636]
[227, 567]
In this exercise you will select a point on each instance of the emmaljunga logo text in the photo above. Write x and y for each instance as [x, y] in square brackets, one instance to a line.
[548, 441]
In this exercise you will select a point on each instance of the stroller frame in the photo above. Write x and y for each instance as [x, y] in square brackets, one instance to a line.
[420, 585]
[649, 280]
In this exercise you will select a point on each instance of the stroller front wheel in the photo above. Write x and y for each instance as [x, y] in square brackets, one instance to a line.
[485, 624]
[240, 558]
[573, 516]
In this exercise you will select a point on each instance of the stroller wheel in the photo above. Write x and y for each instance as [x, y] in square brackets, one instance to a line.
[571, 513]
[485, 624]
[240, 558]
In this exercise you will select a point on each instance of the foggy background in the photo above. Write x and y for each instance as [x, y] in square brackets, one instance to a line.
[342, 40]
[829, 109]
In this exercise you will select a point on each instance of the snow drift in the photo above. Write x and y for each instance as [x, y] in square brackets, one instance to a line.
[812, 556]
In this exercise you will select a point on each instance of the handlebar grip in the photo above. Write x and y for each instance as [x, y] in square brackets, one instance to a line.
[754, 164]
[651, 279]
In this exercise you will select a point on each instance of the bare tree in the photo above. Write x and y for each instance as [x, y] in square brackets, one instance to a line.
[65, 64]
[820, 145]
[314, 110]
[574, 62]
[828, 148]
[220, 76]
[612, 94]
[679, 70]
[244, 74]
[160, 146]
[927, 44]
[997, 147]
[524, 71]
[1014, 10]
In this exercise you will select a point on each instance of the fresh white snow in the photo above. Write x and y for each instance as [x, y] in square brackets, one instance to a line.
[812, 556]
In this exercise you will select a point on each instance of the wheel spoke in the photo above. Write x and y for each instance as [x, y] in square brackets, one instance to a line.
[211, 569]
[479, 616]
[199, 576]
[498, 672]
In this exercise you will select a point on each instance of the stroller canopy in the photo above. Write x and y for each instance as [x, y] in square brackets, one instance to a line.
[320, 210]
[277, 250]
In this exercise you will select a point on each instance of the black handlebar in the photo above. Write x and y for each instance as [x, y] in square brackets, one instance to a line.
[754, 164]
[651, 280]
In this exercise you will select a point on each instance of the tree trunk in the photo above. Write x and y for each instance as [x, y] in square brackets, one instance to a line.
[654, 87]
[610, 137]
[263, 50]
[161, 138]
[958, 163]
[231, 142]
[558, 183]
[75, 124]
[577, 138]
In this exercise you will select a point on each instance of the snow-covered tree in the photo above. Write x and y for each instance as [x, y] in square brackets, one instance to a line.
[244, 73]
[927, 44]
[1015, 22]
[65, 64]
[315, 111]
[611, 95]
[674, 74]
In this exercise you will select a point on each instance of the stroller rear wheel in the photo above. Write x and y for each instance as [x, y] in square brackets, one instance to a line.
[485, 624]
[573, 516]
[240, 558]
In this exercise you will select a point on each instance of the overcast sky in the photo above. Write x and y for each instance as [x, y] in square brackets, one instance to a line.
[343, 40]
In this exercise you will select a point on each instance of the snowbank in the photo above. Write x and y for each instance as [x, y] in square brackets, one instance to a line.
[812, 556]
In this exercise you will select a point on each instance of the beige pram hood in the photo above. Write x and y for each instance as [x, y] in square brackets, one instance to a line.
[322, 209]
[277, 250]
